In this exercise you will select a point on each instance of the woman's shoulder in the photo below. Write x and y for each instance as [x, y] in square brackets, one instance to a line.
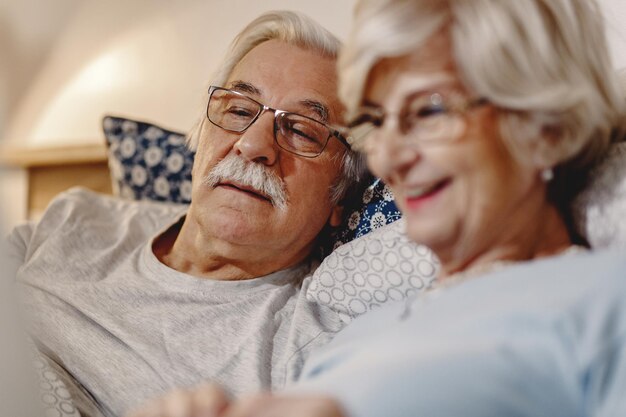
[577, 270]
[552, 286]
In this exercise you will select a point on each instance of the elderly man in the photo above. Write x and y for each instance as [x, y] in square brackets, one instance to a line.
[128, 300]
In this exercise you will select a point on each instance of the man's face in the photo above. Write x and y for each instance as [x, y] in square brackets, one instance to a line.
[288, 78]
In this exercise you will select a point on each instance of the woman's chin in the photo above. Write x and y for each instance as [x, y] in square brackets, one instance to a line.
[432, 232]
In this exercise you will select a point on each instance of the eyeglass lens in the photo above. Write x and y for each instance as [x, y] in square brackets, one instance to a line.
[422, 119]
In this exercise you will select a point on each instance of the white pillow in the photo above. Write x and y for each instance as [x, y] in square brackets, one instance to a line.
[382, 266]
[600, 210]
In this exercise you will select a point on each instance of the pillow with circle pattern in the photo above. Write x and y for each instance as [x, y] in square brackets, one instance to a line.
[382, 266]
[147, 162]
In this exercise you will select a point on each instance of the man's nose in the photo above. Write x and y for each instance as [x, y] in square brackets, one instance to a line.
[257, 143]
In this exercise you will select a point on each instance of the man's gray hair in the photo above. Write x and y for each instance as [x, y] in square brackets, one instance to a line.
[543, 63]
[294, 29]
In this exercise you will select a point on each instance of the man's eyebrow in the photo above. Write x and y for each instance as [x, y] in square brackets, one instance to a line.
[317, 107]
[244, 87]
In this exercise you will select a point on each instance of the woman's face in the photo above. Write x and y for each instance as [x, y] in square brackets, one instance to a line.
[459, 187]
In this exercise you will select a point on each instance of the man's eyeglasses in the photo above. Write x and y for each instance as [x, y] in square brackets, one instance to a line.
[424, 118]
[300, 135]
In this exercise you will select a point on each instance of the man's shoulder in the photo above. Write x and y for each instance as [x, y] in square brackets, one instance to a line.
[82, 204]
[82, 214]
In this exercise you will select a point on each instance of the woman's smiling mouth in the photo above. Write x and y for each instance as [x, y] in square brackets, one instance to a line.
[416, 196]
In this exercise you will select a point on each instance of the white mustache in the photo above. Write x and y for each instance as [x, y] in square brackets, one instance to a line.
[249, 174]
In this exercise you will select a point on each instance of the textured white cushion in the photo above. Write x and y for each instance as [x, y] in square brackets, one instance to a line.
[600, 210]
[382, 266]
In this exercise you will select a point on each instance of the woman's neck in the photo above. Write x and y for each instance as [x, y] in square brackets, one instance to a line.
[533, 240]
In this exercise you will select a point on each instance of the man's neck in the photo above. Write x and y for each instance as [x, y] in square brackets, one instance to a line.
[182, 248]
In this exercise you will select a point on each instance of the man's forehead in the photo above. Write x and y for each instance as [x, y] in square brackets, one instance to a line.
[289, 77]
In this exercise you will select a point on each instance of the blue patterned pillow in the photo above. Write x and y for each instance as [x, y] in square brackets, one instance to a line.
[148, 162]
[371, 209]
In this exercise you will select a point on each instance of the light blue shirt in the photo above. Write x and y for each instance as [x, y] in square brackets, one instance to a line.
[542, 338]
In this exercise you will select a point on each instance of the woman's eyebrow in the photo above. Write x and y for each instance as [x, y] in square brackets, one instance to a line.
[443, 87]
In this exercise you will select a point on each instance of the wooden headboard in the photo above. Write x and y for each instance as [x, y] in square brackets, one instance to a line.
[51, 170]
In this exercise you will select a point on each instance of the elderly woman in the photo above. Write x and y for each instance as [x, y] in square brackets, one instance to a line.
[483, 116]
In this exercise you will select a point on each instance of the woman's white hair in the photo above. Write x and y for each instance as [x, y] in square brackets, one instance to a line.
[294, 29]
[543, 63]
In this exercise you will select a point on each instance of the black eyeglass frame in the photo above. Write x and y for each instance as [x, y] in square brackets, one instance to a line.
[332, 131]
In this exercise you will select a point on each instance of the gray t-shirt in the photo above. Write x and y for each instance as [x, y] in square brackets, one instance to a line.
[128, 328]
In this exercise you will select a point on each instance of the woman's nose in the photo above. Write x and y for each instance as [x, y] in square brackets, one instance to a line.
[389, 155]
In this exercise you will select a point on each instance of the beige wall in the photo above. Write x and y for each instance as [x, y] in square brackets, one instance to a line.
[148, 59]
[67, 62]
[28, 30]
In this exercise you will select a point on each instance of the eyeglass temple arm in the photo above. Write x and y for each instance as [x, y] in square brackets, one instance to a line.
[342, 135]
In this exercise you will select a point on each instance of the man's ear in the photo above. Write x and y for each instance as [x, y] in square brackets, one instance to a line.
[336, 216]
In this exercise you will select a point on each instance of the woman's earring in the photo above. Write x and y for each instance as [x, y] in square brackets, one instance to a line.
[547, 174]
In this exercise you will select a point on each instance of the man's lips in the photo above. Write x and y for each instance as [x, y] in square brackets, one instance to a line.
[248, 190]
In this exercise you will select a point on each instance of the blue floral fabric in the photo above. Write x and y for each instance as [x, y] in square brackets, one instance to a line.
[372, 209]
[148, 162]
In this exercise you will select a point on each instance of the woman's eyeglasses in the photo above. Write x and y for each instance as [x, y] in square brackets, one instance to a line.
[424, 118]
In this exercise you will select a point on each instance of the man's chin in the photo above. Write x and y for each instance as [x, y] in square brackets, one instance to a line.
[236, 218]
[239, 228]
